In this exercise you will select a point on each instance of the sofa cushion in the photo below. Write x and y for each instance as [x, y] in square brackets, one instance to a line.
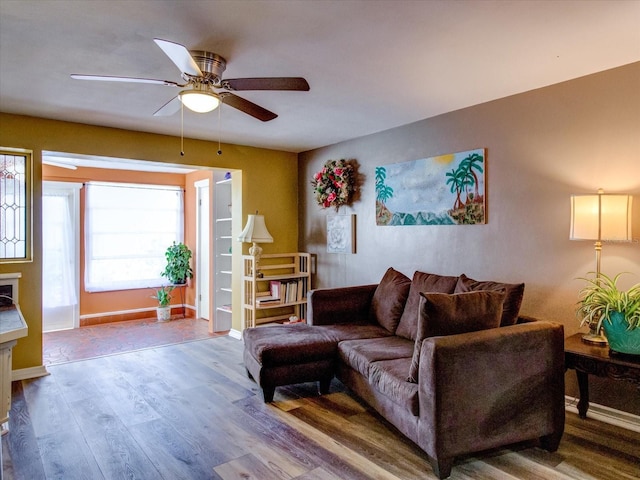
[389, 298]
[359, 354]
[341, 332]
[389, 377]
[512, 302]
[444, 314]
[422, 282]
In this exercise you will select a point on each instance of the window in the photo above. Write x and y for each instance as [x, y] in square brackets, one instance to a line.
[15, 205]
[128, 228]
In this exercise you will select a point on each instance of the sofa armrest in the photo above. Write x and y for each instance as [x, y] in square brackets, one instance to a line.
[490, 388]
[330, 306]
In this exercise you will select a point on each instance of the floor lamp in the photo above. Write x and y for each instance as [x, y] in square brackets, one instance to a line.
[600, 217]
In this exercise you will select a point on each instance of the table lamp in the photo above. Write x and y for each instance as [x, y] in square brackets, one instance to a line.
[255, 231]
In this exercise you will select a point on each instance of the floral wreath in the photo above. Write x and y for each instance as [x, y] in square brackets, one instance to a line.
[333, 185]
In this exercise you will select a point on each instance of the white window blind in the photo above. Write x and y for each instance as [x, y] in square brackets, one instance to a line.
[128, 228]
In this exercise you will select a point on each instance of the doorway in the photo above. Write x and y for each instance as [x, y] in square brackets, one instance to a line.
[61, 255]
[60, 324]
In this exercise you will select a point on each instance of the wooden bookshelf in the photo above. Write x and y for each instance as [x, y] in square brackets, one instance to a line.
[290, 272]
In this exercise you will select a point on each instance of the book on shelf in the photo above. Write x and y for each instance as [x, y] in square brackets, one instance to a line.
[274, 288]
[282, 291]
[267, 299]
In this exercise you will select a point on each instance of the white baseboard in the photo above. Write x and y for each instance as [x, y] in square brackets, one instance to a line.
[119, 312]
[606, 414]
[237, 334]
[26, 373]
[133, 310]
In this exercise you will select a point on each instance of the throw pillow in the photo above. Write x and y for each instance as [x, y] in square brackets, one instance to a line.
[388, 300]
[512, 301]
[443, 314]
[422, 282]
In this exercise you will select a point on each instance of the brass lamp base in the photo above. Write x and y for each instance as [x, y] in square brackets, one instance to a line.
[593, 339]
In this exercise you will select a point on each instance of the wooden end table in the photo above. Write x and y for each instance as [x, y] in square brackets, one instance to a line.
[588, 359]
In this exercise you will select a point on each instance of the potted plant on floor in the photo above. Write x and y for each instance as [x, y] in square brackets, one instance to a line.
[163, 310]
[616, 311]
[178, 270]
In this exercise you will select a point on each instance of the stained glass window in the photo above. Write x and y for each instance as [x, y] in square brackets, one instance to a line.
[15, 207]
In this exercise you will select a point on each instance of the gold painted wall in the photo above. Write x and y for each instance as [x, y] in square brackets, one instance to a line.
[266, 181]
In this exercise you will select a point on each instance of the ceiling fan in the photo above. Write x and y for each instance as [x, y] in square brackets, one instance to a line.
[204, 87]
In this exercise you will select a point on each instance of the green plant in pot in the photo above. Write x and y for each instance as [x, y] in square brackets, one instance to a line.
[163, 296]
[616, 311]
[178, 269]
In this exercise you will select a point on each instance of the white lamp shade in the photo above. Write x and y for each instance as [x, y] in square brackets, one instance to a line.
[601, 217]
[255, 231]
[199, 101]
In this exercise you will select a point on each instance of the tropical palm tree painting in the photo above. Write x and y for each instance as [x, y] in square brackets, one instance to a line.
[443, 190]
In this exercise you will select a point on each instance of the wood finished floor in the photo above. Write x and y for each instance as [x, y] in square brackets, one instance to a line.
[188, 411]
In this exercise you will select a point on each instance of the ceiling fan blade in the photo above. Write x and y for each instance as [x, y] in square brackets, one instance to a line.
[169, 108]
[266, 83]
[247, 107]
[180, 56]
[109, 78]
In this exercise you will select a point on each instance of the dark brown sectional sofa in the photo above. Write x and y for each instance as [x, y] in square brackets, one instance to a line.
[446, 360]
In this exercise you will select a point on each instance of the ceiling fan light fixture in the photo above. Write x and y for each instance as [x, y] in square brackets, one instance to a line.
[199, 101]
[202, 72]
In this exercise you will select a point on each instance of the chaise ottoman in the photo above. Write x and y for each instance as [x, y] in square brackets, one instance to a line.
[286, 354]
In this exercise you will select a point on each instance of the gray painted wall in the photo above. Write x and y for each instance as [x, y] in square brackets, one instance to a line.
[542, 146]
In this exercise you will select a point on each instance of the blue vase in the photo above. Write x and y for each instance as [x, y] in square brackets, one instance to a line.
[620, 338]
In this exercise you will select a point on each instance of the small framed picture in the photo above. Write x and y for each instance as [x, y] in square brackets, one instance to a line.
[341, 234]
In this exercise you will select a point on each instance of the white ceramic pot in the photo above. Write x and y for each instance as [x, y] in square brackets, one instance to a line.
[164, 313]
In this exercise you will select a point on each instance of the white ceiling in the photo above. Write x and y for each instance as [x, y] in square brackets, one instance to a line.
[372, 65]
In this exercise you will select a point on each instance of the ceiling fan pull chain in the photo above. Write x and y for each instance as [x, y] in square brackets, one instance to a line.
[181, 129]
[219, 124]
